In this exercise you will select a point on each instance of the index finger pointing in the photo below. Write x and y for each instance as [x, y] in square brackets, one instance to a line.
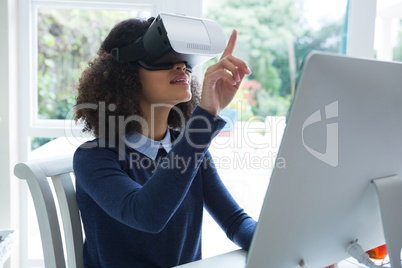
[231, 45]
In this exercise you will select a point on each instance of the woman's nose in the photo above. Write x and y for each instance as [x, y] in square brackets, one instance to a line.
[180, 65]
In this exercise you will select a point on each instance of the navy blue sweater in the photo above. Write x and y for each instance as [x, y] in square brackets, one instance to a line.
[142, 216]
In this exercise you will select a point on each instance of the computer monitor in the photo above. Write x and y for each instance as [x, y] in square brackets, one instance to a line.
[344, 129]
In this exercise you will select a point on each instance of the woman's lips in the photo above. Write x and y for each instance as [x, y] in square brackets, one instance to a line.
[181, 79]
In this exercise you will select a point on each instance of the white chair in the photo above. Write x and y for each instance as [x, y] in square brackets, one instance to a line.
[58, 169]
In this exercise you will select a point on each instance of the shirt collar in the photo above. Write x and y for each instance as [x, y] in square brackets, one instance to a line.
[148, 146]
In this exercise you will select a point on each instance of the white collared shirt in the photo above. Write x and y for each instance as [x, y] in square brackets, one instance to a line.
[148, 146]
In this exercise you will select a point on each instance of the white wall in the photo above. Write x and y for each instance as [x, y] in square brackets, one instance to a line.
[9, 185]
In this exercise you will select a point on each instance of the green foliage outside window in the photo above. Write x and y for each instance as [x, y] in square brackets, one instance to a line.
[398, 48]
[271, 35]
[67, 39]
[267, 32]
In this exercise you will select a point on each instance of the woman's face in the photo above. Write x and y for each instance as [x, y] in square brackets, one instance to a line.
[165, 86]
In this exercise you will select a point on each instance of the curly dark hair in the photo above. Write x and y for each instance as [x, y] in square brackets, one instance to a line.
[108, 88]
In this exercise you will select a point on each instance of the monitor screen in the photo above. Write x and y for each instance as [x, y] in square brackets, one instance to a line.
[344, 129]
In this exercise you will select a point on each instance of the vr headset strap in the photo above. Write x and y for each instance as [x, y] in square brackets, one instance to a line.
[130, 53]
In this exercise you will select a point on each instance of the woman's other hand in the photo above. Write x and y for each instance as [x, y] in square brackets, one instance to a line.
[222, 80]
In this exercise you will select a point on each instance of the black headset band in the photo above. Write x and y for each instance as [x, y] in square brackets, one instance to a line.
[130, 53]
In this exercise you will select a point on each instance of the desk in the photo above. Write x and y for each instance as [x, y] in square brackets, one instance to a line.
[6, 244]
[233, 259]
[237, 259]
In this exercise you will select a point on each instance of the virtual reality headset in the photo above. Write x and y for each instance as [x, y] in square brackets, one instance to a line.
[174, 38]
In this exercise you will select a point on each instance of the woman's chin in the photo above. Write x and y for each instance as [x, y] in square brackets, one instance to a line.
[184, 99]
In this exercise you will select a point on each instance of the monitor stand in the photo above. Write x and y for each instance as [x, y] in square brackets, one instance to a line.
[389, 190]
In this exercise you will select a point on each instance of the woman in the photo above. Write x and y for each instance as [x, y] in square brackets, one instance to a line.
[141, 184]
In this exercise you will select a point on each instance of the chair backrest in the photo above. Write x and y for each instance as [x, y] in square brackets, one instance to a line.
[59, 170]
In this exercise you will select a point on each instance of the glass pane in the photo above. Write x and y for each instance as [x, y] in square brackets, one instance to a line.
[273, 37]
[38, 142]
[388, 32]
[397, 49]
[67, 39]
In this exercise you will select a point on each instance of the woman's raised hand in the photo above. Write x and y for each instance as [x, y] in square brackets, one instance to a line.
[222, 80]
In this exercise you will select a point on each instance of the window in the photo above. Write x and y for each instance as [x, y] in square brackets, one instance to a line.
[273, 37]
[66, 40]
[388, 32]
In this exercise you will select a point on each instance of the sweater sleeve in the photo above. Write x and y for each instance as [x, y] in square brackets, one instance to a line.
[149, 207]
[238, 226]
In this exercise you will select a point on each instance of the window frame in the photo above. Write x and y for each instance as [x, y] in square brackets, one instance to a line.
[55, 127]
